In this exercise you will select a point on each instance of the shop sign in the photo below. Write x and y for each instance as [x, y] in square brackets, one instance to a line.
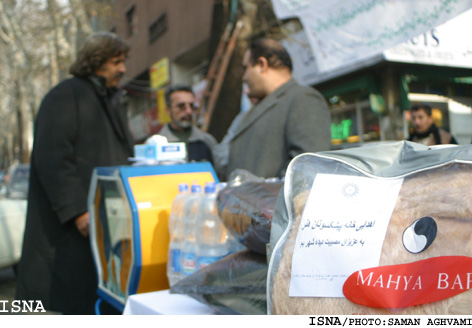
[161, 106]
[199, 90]
[444, 45]
[352, 33]
[145, 124]
[159, 73]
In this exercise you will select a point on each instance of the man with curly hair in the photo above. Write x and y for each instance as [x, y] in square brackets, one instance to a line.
[81, 124]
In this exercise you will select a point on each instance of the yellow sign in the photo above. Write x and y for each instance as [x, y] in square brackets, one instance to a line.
[162, 115]
[159, 73]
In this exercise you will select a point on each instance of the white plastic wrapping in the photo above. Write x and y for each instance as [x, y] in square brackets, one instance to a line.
[435, 186]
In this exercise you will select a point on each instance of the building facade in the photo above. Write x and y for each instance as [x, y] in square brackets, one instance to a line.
[370, 103]
[169, 44]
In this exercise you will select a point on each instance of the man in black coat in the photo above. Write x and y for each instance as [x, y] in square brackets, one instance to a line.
[425, 131]
[81, 124]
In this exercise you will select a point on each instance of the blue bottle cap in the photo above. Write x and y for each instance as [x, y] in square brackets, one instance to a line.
[209, 187]
[183, 187]
[196, 188]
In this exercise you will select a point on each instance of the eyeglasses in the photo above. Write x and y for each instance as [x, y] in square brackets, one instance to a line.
[183, 106]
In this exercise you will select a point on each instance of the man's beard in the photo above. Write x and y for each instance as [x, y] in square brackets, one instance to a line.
[183, 124]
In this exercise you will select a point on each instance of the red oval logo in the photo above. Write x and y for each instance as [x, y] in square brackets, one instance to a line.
[421, 282]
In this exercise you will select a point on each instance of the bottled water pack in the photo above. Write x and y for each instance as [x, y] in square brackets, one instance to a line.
[212, 236]
[189, 243]
[174, 271]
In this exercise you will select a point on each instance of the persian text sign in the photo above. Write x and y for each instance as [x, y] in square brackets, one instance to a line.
[348, 32]
[342, 230]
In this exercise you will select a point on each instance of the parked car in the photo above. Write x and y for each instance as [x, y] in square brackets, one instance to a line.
[18, 181]
[2, 176]
[13, 214]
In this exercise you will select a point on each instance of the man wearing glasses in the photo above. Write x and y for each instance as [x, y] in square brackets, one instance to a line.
[180, 105]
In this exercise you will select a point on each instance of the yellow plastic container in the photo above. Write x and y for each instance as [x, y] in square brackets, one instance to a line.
[129, 211]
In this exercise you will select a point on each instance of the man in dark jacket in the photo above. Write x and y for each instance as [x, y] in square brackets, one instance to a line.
[81, 124]
[288, 120]
[425, 131]
[180, 105]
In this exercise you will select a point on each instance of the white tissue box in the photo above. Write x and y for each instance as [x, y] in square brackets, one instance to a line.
[171, 151]
[160, 152]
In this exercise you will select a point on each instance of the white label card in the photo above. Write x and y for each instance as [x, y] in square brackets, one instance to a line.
[342, 230]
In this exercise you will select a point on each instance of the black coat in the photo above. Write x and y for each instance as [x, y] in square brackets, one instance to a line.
[76, 130]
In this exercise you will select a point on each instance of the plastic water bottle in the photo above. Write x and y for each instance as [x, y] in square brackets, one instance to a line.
[220, 186]
[212, 235]
[174, 272]
[189, 243]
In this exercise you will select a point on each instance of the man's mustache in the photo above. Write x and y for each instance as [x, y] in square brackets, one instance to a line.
[119, 75]
[186, 118]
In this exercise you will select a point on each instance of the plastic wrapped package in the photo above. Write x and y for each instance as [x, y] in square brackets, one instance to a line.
[404, 249]
[239, 176]
[246, 209]
[236, 284]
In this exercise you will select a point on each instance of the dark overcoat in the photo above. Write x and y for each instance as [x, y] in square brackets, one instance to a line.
[293, 119]
[77, 128]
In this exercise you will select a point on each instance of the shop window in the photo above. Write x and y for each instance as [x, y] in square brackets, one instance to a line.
[462, 91]
[352, 121]
[435, 88]
[438, 89]
[344, 125]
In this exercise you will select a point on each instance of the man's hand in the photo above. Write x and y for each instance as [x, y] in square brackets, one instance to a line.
[82, 224]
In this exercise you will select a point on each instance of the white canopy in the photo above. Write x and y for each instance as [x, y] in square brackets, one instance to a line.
[346, 33]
